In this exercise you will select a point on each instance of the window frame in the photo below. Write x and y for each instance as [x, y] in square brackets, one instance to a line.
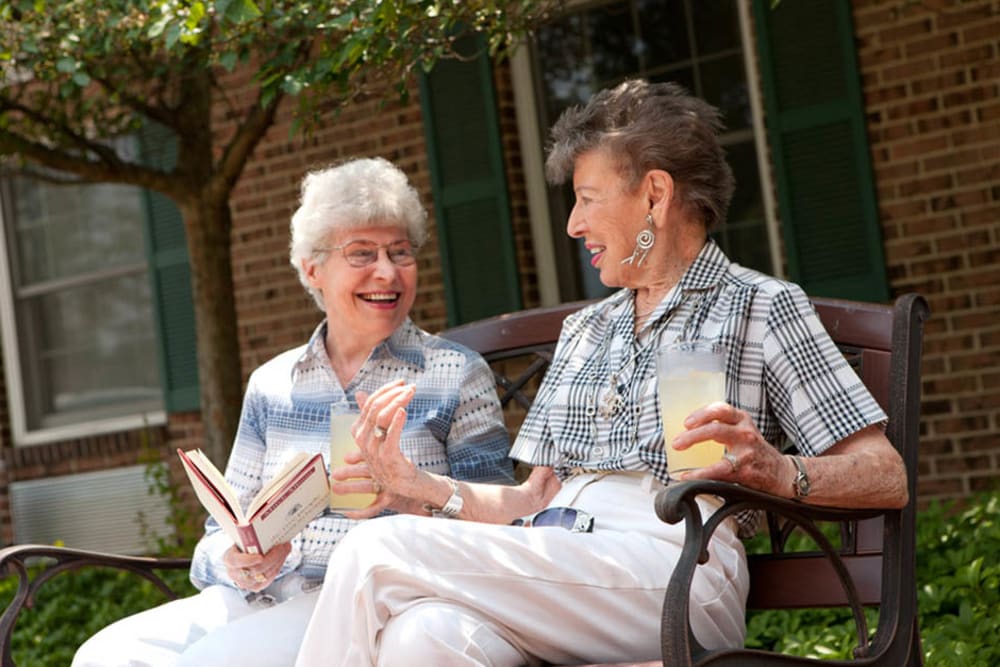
[10, 342]
[532, 136]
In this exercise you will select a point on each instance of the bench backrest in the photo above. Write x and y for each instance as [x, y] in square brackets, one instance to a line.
[883, 345]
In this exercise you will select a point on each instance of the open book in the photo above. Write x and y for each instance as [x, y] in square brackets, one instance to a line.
[293, 498]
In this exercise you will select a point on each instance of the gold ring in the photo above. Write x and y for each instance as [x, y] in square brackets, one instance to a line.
[729, 456]
[379, 432]
[259, 578]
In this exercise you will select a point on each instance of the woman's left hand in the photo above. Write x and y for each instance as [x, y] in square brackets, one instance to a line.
[380, 466]
[750, 459]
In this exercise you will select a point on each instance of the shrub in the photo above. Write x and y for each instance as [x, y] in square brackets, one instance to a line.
[75, 605]
[958, 595]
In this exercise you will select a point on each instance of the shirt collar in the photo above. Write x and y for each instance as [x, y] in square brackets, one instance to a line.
[403, 344]
[705, 272]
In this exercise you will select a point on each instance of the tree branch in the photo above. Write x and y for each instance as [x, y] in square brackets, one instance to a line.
[88, 171]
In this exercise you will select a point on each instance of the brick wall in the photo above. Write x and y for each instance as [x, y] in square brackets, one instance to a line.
[931, 81]
[931, 77]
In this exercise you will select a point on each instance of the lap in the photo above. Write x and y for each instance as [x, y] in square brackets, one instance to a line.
[216, 622]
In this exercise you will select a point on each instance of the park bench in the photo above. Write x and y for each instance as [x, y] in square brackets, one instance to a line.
[869, 562]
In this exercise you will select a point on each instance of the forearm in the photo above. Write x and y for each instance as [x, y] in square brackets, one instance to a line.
[863, 470]
[487, 503]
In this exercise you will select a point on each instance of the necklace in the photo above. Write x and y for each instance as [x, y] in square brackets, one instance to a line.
[610, 400]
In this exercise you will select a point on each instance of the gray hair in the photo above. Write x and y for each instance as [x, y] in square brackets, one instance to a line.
[363, 192]
[645, 126]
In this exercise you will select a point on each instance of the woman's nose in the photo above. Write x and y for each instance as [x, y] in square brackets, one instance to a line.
[574, 224]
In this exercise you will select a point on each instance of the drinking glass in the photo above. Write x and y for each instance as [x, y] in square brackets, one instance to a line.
[342, 442]
[691, 375]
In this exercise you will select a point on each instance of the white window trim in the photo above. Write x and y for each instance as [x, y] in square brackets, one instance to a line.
[533, 160]
[760, 138]
[15, 390]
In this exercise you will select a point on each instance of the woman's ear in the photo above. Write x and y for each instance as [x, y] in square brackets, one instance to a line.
[660, 190]
[311, 271]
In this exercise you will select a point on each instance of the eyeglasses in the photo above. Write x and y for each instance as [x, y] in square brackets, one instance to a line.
[572, 519]
[363, 253]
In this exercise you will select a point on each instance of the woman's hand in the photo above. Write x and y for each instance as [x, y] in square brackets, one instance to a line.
[380, 466]
[750, 459]
[255, 572]
[862, 470]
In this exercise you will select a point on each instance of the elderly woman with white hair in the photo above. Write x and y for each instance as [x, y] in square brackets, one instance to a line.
[354, 244]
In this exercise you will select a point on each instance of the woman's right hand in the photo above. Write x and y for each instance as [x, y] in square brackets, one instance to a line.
[380, 466]
[255, 572]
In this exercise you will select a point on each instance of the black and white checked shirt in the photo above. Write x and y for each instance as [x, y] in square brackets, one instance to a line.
[782, 368]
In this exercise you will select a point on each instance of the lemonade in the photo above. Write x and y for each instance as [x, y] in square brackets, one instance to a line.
[691, 374]
[342, 442]
[680, 395]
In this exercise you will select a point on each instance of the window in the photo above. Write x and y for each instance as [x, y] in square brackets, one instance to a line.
[82, 345]
[698, 44]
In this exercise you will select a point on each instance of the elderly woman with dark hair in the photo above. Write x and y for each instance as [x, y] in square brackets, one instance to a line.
[650, 180]
[354, 244]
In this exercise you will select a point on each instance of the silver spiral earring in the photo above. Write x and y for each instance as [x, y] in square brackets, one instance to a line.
[644, 240]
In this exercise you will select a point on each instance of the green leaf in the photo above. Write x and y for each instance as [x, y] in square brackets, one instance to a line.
[238, 11]
[66, 65]
[81, 79]
[228, 60]
[173, 34]
[158, 26]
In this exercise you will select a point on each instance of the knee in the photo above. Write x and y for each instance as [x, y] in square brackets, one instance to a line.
[439, 633]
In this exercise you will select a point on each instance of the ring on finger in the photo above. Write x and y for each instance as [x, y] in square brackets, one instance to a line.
[379, 432]
[258, 578]
[733, 461]
[376, 487]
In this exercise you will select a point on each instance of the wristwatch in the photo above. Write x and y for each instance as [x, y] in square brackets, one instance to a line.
[801, 484]
[454, 504]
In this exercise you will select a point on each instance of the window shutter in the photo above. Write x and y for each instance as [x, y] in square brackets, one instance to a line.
[170, 273]
[819, 148]
[471, 203]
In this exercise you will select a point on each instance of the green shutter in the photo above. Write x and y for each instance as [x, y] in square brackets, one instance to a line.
[471, 203]
[819, 148]
[170, 275]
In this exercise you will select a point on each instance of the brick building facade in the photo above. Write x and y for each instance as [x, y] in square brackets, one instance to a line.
[930, 75]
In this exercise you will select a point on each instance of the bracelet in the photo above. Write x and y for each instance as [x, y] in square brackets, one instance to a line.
[453, 506]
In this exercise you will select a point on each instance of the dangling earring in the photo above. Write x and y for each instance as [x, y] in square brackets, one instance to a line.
[644, 240]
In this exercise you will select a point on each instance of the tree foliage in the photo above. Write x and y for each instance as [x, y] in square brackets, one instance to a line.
[78, 72]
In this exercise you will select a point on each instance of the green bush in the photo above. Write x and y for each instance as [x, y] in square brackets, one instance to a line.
[958, 595]
[75, 605]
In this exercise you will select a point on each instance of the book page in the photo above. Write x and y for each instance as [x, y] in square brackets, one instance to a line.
[297, 502]
[287, 471]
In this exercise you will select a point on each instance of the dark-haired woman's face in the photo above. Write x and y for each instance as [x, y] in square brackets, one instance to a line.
[607, 217]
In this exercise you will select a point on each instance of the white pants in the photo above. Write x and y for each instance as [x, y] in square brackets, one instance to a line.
[216, 627]
[419, 591]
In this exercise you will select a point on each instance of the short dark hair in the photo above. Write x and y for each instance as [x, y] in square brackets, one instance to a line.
[645, 126]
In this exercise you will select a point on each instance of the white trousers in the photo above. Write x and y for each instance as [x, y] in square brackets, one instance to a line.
[410, 590]
[216, 627]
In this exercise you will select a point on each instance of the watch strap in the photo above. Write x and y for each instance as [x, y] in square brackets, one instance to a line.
[453, 506]
[800, 486]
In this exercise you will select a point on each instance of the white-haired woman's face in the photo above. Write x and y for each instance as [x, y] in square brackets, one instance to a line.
[368, 280]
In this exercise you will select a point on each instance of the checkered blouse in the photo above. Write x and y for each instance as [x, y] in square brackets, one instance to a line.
[782, 368]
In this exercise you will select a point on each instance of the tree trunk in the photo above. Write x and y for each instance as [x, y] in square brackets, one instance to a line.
[208, 225]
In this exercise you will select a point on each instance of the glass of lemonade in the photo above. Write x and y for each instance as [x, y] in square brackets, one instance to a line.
[691, 375]
[342, 442]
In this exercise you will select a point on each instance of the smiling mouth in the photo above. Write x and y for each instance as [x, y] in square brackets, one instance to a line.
[595, 252]
[380, 297]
